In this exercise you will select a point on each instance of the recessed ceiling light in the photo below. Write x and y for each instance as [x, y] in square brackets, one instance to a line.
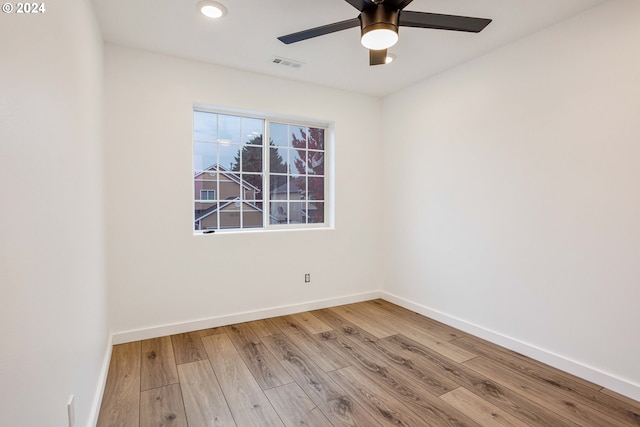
[211, 9]
[390, 58]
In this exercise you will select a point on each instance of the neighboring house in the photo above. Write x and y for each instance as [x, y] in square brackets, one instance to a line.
[221, 196]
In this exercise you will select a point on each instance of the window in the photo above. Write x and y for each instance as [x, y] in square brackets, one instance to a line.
[207, 194]
[235, 158]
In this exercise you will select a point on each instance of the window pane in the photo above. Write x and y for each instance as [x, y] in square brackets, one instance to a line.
[316, 188]
[205, 126]
[279, 213]
[278, 160]
[230, 219]
[315, 162]
[230, 214]
[252, 131]
[204, 155]
[278, 134]
[278, 187]
[229, 129]
[229, 186]
[205, 216]
[251, 218]
[298, 161]
[251, 159]
[316, 212]
[316, 139]
[204, 181]
[299, 136]
[252, 184]
[198, 185]
[297, 213]
[229, 156]
[297, 188]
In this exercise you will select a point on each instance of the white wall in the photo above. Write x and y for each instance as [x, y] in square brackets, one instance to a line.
[158, 272]
[513, 203]
[53, 318]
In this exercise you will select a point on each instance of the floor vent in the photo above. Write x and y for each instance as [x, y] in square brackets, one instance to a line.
[286, 62]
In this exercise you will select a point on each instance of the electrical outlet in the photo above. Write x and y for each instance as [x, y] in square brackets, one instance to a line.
[71, 411]
[307, 278]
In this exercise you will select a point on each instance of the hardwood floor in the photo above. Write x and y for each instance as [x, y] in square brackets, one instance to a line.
[366, 364]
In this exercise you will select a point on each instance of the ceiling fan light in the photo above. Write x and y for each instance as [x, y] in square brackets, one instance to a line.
[211, 9]
[379, 38]
[390, 58]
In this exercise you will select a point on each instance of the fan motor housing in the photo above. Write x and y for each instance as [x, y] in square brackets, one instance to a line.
[378, 18]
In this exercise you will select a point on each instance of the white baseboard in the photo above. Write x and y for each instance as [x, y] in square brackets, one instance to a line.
[588, 373]
[229, 319]
[619, 385]
[102, 380]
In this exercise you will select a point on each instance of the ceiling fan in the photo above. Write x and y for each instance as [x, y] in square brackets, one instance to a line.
[379, 21]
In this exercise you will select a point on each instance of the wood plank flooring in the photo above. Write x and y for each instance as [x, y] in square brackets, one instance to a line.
[366, 364]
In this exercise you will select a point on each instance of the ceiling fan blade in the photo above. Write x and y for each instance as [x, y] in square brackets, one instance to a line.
[398, 4]
[360, 4]
[377, 57]
[319, 31]
[442, 22]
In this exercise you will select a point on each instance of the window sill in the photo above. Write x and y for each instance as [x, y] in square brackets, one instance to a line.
[264, 230]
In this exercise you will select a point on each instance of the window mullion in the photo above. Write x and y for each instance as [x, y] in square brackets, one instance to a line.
[241, 175]
[217, 173]
[266, 178]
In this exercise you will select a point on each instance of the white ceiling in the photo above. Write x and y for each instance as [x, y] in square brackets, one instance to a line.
[246, 37]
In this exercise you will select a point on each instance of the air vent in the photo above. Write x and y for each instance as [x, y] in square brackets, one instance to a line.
[286, 62]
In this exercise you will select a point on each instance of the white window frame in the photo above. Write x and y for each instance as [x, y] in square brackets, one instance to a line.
[328, 176]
